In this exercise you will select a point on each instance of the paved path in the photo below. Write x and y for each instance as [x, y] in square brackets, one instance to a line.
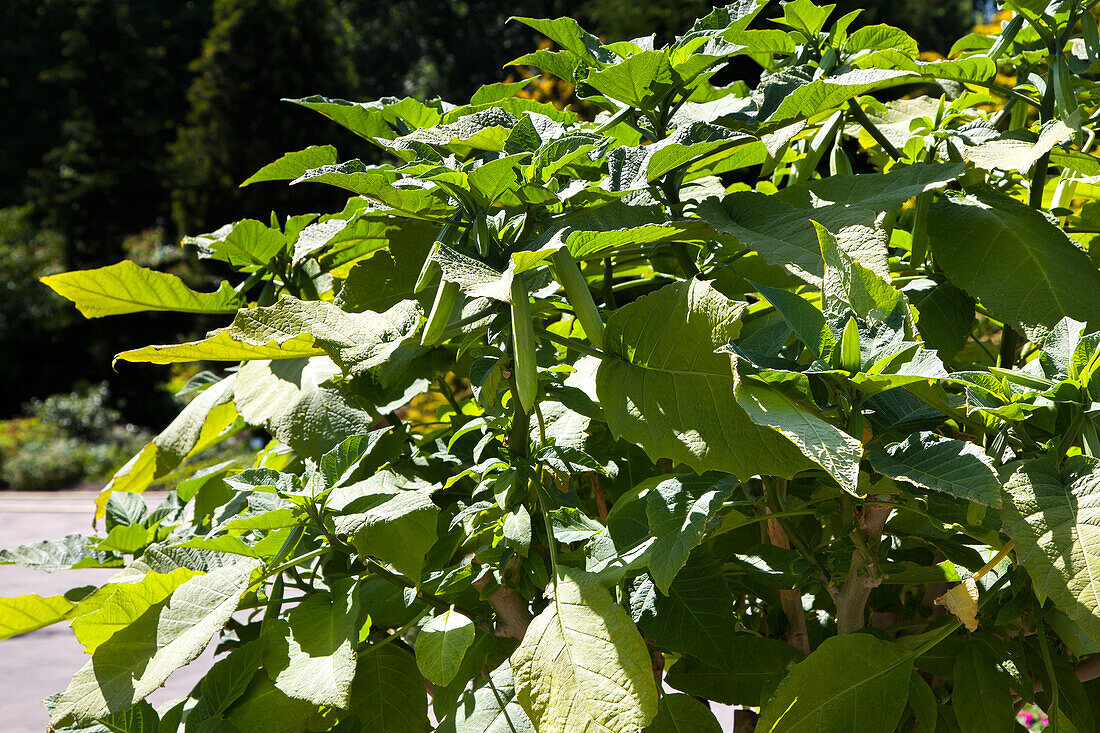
[41, 663]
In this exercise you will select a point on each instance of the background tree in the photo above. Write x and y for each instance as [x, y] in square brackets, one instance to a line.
[257, 52]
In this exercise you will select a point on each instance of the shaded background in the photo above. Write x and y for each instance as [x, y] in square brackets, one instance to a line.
[130, 123]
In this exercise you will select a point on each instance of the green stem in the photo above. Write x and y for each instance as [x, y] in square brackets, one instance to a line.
[1038, 181]
[289, 564]
[395, 635]
[683, 257]
[274, 602]
[1071, 435]
[1010, 340]
[780, 515]
[248, 282]
[542, 424]
[614, 119]
[644, 281]
[1007, 91]
[865, 122]
[552, 543]
[608, 282]
[449, 395]
[981, 344]
[455, 328]
[569, 343]
[1044, 652]
[519, 432]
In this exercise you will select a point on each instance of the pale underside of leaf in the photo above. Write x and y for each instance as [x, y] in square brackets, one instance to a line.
[137, 660]
[1055, 521]
[582, 666]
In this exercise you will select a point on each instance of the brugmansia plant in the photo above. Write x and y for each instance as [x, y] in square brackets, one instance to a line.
[719, 419]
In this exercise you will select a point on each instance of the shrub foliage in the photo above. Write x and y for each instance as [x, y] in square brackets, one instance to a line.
[718, 419]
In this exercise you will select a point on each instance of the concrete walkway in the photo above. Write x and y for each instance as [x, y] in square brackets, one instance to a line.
[41, 663]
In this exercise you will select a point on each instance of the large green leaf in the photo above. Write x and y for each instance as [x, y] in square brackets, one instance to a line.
[805, 16]
[848, 285]
[942, 464]
[1055, 521]
[362, 228]
[116, 605]
[489, 708]
[662, 386]
[484, 130]
[562, 64]
[830, 91]
[632, 168]
[1019, 152]
[126, 288]
[678, 511]
[139, 718]
[137, 660]
[293, 165]
[222, 346]
[441, 644]
[1011, 257]
[750, 670]
[264, 708]
[357, 342]
[568, 34]
[850, 682]
[980, 696]
[784, 235]
[294, 400]
[388, 695]
[879, 36]
[361, 456]
[248, 245]
[375, 121]
[311, 655]
[26, 613]
[945, 315]
[583, 244]
[973, 68]
[415, 202]
[694, 616]
[823, 443]
[805, 319]
[495, 184]
[206, 420]
[582, 665]
[71, 552]
[388, 519]
[874, 191]
[683, 714]
[226, 681]
[639, 81]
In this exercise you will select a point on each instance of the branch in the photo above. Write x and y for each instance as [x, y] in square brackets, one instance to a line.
[513, 613]
[864, 574]
[790, 600]
[601, 500]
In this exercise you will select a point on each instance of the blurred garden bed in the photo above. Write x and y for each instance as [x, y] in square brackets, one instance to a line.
[76, 439]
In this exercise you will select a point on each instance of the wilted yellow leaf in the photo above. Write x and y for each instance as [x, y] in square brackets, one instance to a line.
[962, 600]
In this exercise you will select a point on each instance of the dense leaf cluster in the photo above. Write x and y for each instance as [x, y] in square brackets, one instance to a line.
[729, 425]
